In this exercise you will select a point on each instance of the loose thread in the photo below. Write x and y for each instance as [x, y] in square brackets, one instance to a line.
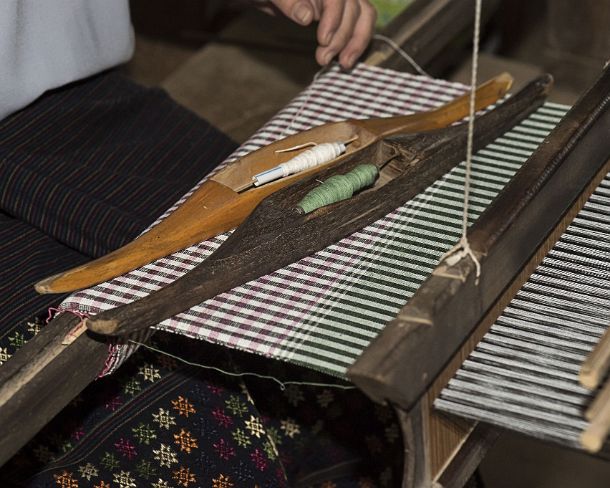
[75, 331]
[282, 384]
[310, 144]
[304, 102]
[463, 249]
[402, 53]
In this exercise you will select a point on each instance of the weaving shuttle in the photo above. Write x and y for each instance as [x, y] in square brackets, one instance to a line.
[276, 235]
[226, 198]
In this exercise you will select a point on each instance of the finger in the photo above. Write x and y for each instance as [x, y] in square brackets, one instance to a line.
[361, 36]
[301, 11]
[332, 13]
[325, 54]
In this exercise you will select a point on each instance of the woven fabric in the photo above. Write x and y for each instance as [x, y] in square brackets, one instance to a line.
[523, 375]
[161, 423]
[18, 299]
[84, 170]
[324, 310]
[94, 163]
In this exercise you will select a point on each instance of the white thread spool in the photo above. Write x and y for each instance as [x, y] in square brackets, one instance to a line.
[320, 154]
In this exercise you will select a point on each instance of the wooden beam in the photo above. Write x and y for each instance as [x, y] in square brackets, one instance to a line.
[405, 359]
[432, 32]
[42, 377]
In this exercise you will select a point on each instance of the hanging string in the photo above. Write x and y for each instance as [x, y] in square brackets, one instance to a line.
[463, 249]
[308, 94]
[402, 53]
[281, 383]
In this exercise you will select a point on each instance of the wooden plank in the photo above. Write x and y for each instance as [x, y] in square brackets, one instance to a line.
[465, 462]
[432, 32]
[407, 357]
[416, 467]
[42, 377]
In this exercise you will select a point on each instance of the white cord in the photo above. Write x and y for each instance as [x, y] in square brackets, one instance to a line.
[462, 249]
[403, 53]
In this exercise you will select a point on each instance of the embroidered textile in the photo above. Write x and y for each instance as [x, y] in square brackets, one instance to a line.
[158, 422]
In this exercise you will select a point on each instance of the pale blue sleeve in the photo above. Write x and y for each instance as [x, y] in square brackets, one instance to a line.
[45, 44]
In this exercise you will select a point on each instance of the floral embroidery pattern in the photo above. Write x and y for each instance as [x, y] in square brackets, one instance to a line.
[222, 482]
[164, 419]
[255, 426]
[88, 471]
[185, 441]
[183, 476]
[224, 450]
[175, 438]
[183, 406]
[65, 480]
[165, 456]
[124, 480]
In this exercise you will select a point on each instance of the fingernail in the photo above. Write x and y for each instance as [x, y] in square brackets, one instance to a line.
[328, 57]
[303, 13]
[350, 60]
[328, 37]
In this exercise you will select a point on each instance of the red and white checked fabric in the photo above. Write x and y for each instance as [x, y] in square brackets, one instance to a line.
[304, 313]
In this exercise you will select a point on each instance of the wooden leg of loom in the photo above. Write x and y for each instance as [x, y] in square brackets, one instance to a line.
[440, 450]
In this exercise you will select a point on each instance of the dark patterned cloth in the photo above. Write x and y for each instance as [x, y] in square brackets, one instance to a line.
[159, 422]
[82, 171]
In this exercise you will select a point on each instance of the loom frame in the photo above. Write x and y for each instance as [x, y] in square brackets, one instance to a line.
[51, 375]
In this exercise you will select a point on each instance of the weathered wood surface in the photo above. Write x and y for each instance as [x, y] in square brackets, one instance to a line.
[427, 462]
[404, 360]
[42, 377]
[225, 200]
[466, 460]
[275, 235]
[432, 32]
[596, 365]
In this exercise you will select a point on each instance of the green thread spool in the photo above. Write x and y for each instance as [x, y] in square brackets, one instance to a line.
[339, 187]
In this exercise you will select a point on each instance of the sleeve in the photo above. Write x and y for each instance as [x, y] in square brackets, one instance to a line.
[45, 44]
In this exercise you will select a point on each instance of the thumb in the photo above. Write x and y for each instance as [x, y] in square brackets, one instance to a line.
[301, 11]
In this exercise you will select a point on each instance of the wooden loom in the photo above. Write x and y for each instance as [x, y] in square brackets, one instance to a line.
[431, 439]
[34, 372]
[406, 364]
[399, 367]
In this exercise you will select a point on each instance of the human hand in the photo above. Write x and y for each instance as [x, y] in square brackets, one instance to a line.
[345, 26]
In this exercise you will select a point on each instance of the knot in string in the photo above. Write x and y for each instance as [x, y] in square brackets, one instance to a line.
[463, 249]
